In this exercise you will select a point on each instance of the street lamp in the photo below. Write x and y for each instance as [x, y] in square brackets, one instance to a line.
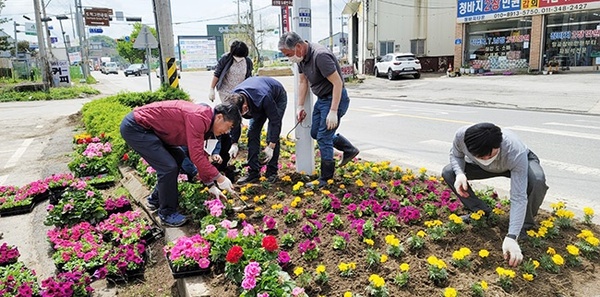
[60, 18]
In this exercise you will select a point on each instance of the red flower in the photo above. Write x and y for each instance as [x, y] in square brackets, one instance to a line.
[270, 243]
[234, 254]
[125, 157]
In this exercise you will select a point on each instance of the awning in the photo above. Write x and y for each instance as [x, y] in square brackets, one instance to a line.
[351, 8]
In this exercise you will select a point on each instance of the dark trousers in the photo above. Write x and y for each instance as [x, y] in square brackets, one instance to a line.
[254, 131]
[536, 187]
[164, 159]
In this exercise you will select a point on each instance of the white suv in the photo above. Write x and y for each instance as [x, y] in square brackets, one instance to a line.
[110, 67]
[398, 64]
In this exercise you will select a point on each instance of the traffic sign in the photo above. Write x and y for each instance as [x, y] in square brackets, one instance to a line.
[97, 16]
[96, 30]
[127, 38]
[145, 39]
[53, 39]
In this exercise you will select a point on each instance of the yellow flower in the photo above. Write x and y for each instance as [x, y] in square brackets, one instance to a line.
[558, 260]
[558, 205]
[369, 241]
[585, 233]
[404, 267]
[244, 197]
[457, 255]
[343, 266]
[277, 206]
[532, 233]
[588, 211]
[593, 241]
[376, 280]
[359, 183]
[309, 193]
[374, 185]
[536, 264]
[475, 216]
[484, 285]
[383, 258]
[573, 250]
[325, 192]
[330, 181]
[528, 276]
[421, 233]
[347, 294]
[342, 186]
[241, 216]
[465, 251]
[450, 292]
[286, 178]
[352, 265]
[258, 209]
[320, 269]
[498, 211]
[563, 213]
[262, 178]
[422, 170]
[298, 270]
[547, 223]
[484, 253]
[550, 251]
[392, 240]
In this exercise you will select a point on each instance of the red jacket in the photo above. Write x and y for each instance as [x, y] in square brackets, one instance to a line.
[181, 123]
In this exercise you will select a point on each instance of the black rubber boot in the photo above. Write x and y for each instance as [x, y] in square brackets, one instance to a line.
[327, 170]
[344, 145]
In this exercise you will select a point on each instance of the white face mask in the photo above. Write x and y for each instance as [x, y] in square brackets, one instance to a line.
[488, 161]
[209, 145]
[237, 59]
[295, 58]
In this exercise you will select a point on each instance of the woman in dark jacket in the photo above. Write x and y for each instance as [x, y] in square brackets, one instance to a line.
[232, 69]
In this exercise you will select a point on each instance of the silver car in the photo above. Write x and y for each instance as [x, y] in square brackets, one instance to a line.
[396, 64]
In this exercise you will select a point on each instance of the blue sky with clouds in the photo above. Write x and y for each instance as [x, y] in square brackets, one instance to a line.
[190, 17]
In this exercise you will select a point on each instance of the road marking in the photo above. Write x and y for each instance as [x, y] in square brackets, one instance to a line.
[381, 115]
[19, 153]
[572, 125]
[415, 117]
[555, 132]
[3, 178]
[579, 169]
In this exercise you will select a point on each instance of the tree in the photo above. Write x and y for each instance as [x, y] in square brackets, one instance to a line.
[126, 50]
[106, 41]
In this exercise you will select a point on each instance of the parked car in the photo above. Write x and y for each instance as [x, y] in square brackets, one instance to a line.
[136, 70]
[110, 67]
[397, 64]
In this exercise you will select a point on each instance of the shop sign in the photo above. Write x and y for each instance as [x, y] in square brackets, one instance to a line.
[480, 10]
[282, 2]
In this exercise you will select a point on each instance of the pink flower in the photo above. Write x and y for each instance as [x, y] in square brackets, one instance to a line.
[210, 229]
[232, 233]
[263, 295]
[252, 270]
[203, 263]
[297, 291]
[249, 283]
[283, 257]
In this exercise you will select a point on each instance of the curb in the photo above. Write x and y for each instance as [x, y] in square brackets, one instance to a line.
[186, 287]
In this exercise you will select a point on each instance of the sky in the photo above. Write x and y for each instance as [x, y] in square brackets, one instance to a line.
[190, 17]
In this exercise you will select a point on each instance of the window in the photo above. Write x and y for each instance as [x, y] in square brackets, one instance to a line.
[572, 39]
[386, 47]
[417, 47]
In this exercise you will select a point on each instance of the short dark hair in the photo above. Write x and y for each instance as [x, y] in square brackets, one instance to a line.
[482, 138]
[236, 99]
[230, 112]
[239, 49]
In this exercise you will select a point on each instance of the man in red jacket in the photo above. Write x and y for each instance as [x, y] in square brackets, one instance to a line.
[156, 131]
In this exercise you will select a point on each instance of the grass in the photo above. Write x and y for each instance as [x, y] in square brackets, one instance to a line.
[54, 94]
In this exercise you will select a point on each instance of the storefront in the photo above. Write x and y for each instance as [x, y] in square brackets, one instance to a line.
[528, 35]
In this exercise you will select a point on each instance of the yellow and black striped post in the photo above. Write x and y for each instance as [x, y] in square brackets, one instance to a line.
[172, 73]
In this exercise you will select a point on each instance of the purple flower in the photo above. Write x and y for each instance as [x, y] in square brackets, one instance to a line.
[329, 217]
[351, 207]
[283, 257]
[252, 270]
[270, 222]
[249, 283]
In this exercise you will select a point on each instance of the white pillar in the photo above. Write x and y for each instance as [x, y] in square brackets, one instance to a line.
[305, 146]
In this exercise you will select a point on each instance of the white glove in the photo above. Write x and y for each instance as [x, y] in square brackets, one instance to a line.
[233, 151]
[225, 185]
[512, 251]
[211, 95]
[332, 120]
[216, 192]
[461, 185]
[216, 159]
[301, 113]
[268, 155]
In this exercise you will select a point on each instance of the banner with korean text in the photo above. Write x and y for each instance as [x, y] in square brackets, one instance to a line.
[485, 10]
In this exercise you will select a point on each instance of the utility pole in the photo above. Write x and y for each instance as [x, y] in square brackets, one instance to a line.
[164, 27]
[44, 17]
[60, 18]
[16, 43]
[82, 39]
[305, 146]
[72, 20]
[330, 27]
[46, 75]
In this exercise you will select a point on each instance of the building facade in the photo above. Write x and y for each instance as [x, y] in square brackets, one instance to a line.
[527, 35]
[379, 27]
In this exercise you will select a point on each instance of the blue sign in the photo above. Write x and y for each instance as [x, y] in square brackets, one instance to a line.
[474, 8]
[50, 27]
[96, 30]
[127, 38]
[53, 39]
[457, 41]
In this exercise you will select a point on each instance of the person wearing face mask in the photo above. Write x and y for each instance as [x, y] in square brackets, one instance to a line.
[484, 151]
[320, 69]
[260, 98]
[232, 69]
[157, 130]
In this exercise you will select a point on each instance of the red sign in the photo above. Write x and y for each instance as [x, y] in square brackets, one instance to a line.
[97, 16]
[283, 3]
[285, 19]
